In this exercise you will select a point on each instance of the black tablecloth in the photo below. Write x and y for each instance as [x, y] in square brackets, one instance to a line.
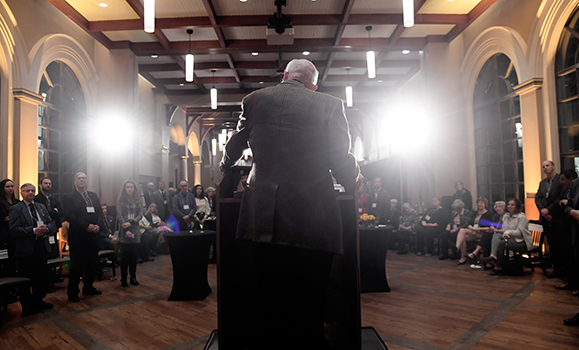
[373, 248]
[189, 254]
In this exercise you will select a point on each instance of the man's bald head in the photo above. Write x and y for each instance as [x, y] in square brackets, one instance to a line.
[304, 71]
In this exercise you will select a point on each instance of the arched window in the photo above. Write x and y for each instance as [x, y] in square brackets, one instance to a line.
[566, 70]
[498, 131]
[62, 132]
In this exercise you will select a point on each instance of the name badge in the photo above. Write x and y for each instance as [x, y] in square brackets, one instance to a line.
[359, 210]
[51, 240]
[186, 206]
[90, 209]
[374, 205]
[164, 202]
[475, 226]
[427, 217]
[454, 226]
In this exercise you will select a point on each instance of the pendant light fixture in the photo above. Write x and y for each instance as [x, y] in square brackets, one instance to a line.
[213, 92]
[149, 21]
[370, 58]
[349, 97]
[408, 13]
[189, 60]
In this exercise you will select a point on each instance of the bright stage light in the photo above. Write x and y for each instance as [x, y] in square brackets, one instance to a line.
[113, 134]
[407, 128]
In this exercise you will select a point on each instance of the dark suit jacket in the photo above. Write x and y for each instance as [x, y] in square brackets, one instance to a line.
[379, 207]
[542, 200]
[573, 203]
[76, 214]
[54, 203]
[162, 201]
[22, 228]
[297, 136]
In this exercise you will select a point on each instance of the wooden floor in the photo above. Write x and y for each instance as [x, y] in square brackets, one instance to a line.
[433, 305]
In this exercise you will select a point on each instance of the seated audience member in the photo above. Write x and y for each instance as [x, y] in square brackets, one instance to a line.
[149, 224]
[459, 219]
[107, 231]
[514, 235]
[203, 209]
[362, 199]
[463, 194]
[378, 201]
[211, 198]
[184, 207]
[484, 244]
[393, 215]
[408, 222]
[432, 225]
[479, 223]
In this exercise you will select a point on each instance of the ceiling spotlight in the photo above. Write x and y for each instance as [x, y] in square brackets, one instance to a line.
[154, 56]
[243, 0]
[181, 84]
[103, 4]
[405, 52]
[261, 82]
[255, 53]
[306, 53]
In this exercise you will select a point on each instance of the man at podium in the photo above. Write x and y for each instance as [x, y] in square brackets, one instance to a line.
[299, 139]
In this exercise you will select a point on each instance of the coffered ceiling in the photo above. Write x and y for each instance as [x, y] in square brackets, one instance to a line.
[227, 34]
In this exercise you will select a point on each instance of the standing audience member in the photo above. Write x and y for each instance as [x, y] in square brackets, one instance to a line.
[549, 190]
[81, 210]
[30, 224]
[478, 225]
[161, 198]
[148, 193]
[433, 225]
[514, 235]
[7, 199]
[459, 219]
[184, 206]
[562, 222]
[379, 201]
[54, 209]
[129, 213]
[572, 209]
[408, 223]
[463, 194]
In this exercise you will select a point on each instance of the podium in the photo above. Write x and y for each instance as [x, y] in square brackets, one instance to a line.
[236, 285]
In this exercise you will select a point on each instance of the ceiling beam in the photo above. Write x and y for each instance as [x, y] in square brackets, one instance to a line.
[472, 16]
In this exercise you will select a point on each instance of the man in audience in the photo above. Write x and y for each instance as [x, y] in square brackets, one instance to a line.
[108, 230]
[184, 206]
[432, 225]
[562, 223]
[54, 209]
[572, 209]
[410, 219]
[81, 210]
[549, 190]
[148, 193]
[30, 224]
[161, 198]
[378, 201]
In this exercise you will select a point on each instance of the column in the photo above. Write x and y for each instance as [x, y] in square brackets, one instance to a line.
[197, 171]
[533, 147]
[25, 137]
[183, 169]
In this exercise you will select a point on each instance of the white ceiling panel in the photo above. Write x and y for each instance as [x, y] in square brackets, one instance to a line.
[256, 72]
[158, 60]
[221, 86]
[378, 83]
[377, 6]
[461, 7]
[218, 73]
[169, 74]
[135, 36]
[343, 71]
[244, 33]
[359, 31]
[210, 58]
[249, 57]
[354, 55]
[421, 30]
[199, 34]
[313, 56]
[116, 9]
[315, 32]
[185, 86]
[398, 55]
[179, 8]
[238, 8]
[258, 85]
[393, 70]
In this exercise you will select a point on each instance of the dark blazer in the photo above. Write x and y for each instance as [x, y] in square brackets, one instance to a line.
[162, 201]
[54, 203]
[542, 200]
[78, 218]
[573, 203]
[297, 137]
[380, 206]
[5, 235]
[22, 228]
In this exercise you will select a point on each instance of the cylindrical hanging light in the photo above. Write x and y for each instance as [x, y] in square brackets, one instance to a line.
[408, 13]
[214, 146]
[349, 95]
[213, 93]
[149, 21]
[370, 58]
[189, 60]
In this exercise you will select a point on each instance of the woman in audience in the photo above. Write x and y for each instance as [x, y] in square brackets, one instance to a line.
[484, 245]
[362, 199]
[514, 234]
[211, 199]
[408, 222]
[7, 199]
[150, 235]
[479, 223]
[129, 213]
[459, 219]
[203, 208]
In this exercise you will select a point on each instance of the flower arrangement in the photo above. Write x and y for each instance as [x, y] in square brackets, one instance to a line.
[367, 220]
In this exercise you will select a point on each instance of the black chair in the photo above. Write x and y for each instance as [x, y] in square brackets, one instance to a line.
[106, 258]
[535, 257]
[9, 285]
